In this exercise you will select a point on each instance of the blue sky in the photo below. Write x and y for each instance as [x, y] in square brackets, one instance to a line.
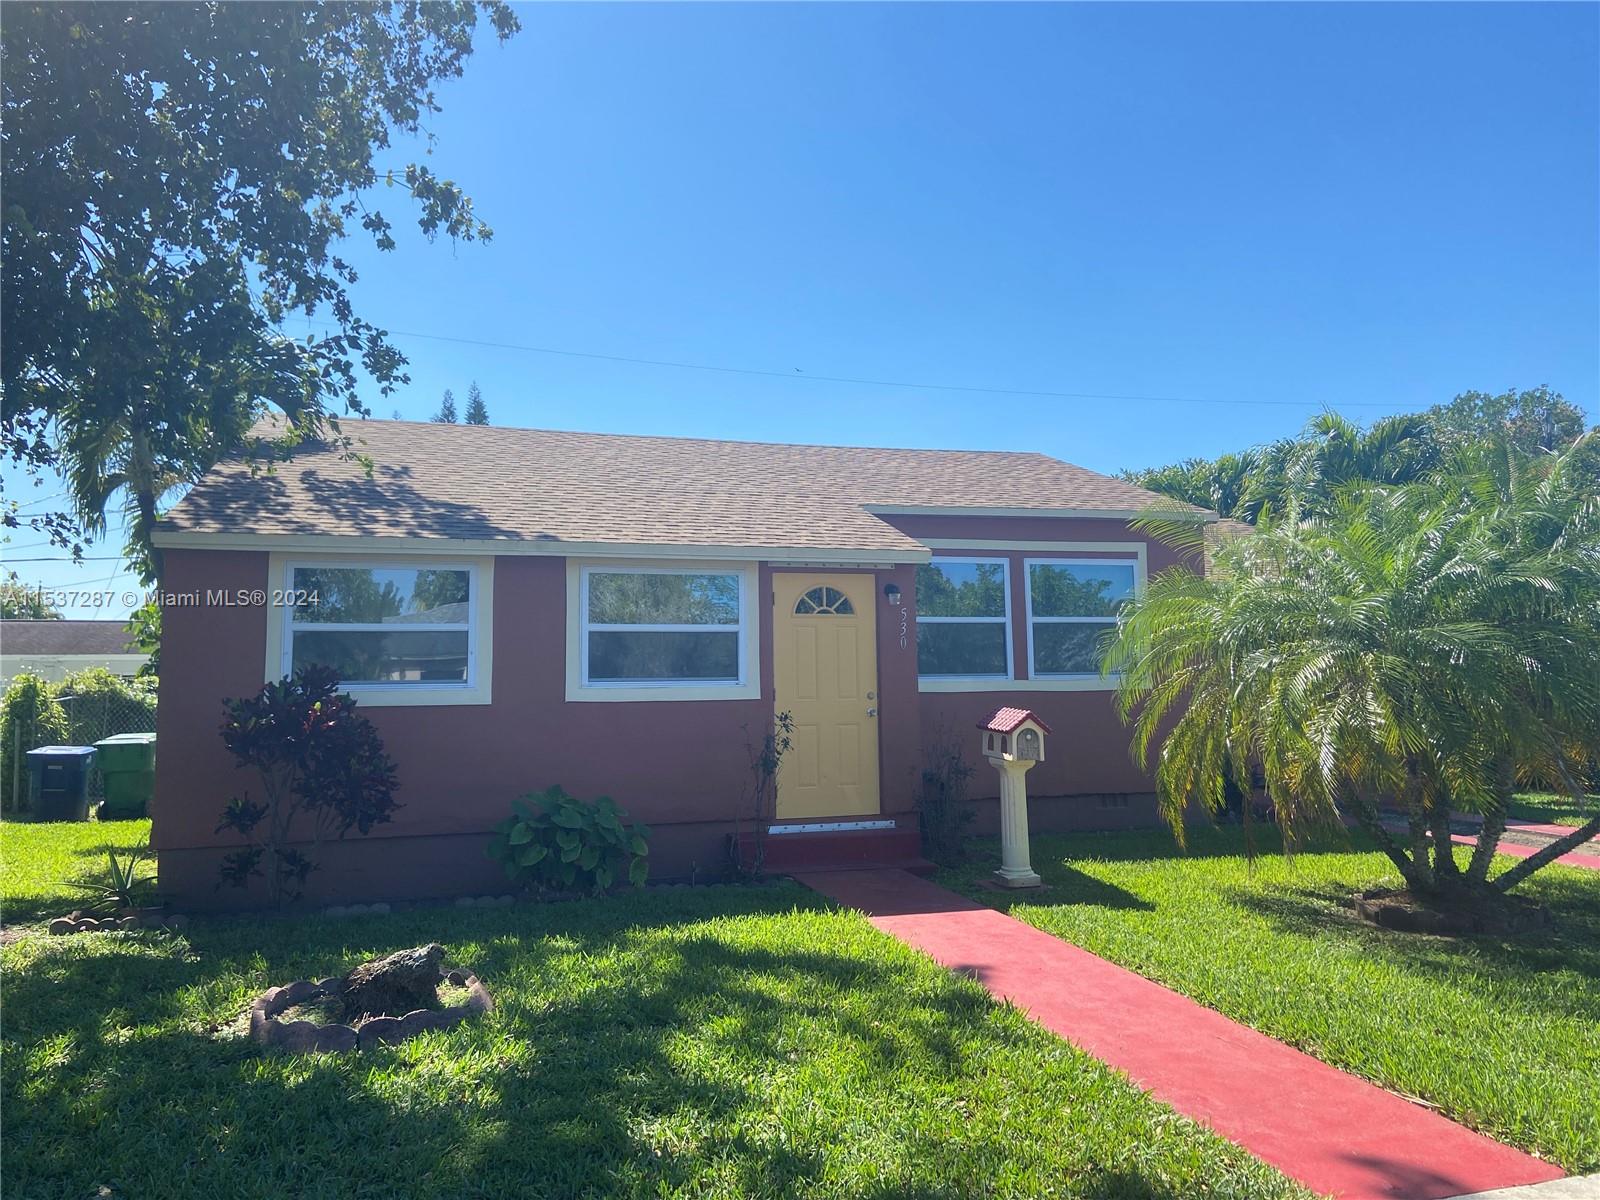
[1266, 208]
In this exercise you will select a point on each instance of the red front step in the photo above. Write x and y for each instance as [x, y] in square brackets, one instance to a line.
[839, 850]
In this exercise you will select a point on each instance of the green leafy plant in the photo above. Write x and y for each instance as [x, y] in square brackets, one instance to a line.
[761, 796]
[943, 807]
[121, 886]
[318, 759]
[556, 842]
[30, 717]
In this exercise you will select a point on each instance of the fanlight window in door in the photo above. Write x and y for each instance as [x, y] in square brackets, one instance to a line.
[823, 601]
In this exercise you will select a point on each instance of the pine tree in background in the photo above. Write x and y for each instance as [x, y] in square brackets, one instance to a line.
[447, 410]
[477, 411]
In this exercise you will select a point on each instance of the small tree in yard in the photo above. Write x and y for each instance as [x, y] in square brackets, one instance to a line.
[766, 757]
[323, 773]
[1424, 646]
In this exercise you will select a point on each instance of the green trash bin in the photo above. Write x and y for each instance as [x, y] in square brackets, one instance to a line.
[128, 769]
[58, 782]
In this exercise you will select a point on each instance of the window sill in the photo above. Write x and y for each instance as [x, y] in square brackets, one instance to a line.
[419, 697]
[1063, 683]
[578, 693]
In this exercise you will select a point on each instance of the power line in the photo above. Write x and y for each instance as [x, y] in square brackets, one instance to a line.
[69, 558]
[798, 375]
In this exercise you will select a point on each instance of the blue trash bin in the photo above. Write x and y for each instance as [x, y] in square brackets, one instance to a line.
[58, 782]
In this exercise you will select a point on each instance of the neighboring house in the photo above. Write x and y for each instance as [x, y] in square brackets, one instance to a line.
[52, 649]
[624, 615]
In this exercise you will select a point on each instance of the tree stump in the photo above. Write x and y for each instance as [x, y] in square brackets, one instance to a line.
[398, 983]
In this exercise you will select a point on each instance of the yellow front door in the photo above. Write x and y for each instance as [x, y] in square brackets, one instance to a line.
[825, 667]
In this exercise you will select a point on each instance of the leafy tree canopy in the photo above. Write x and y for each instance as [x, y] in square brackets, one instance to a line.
[21, 602]
[1306, 472]
[178, 180]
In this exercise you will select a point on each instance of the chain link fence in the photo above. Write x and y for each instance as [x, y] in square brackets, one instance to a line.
[77, 717]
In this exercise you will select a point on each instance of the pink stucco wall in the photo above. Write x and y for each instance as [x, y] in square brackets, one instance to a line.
[680, 766]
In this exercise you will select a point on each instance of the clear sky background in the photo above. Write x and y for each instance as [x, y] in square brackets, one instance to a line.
[1253, 211]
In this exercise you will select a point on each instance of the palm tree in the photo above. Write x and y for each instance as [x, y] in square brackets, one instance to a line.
[1332, 453]
[1424, 645]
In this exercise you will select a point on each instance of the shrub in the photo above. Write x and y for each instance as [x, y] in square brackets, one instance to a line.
[99, 704]
[30, 717]
[556, 842]
[318, 759]
[942, 806]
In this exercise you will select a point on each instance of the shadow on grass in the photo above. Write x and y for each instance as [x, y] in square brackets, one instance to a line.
[1572, 945]
[624, 1057]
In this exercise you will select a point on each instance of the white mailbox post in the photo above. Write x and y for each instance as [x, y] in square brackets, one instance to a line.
[1013, 740]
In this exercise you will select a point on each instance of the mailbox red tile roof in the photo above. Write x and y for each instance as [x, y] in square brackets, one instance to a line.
[1004, 720]
[489, 483]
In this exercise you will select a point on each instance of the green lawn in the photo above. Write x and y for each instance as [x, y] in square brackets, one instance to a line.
[733, 1042]
[37, 860]
[1551, 808]
[1502, 1036]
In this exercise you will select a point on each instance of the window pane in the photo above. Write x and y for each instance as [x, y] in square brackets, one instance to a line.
[358, 596]
[617, 656]
[961, 649]
[1078, 590]
[1068, 648]
[946, 589]
[399, 657]
[650, 599]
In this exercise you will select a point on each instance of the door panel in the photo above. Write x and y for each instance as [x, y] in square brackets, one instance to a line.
[825, 668]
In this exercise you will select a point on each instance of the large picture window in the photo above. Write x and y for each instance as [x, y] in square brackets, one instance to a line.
[1071, 605]
[963, 619]
[663, 628]
[390, 626]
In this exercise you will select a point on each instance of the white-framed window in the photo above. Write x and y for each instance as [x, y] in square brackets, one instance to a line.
[1071, 604]
[663, 632]
[387, 628]
[964, 618]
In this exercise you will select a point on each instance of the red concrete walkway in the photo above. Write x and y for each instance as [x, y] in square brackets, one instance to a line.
[1335, 1133]
[1517, 850]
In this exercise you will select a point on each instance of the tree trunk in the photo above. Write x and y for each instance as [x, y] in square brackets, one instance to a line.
[1421, 876]
[1367, 817]
[144, 526]
[1494, 823]
[1444, 858]
[1507, 880]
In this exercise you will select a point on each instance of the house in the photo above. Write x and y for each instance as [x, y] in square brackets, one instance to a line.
[624, 615]
[54, 649]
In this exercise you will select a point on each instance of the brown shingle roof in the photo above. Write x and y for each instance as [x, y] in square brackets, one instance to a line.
[491, 482]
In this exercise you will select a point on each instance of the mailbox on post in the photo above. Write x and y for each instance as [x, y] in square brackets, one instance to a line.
[1013, 740]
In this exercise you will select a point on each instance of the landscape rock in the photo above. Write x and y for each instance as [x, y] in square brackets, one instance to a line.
[336, 1038]
[465, 901]
[406, 979]
[298, 992]
[381, 1031]
[61, 925]
[295, 1037]
[382, 906]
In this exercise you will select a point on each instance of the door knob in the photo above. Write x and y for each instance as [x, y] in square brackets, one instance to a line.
[872, 712]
